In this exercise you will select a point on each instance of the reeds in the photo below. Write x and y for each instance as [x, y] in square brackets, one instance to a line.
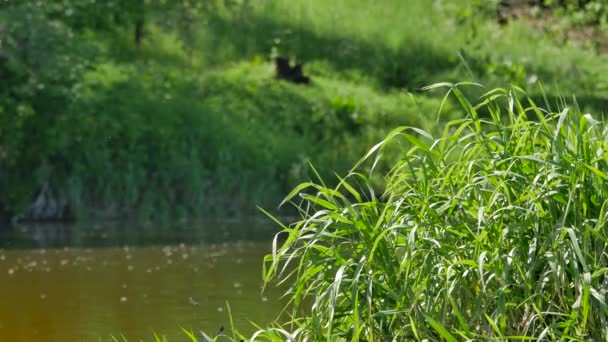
[495, 229]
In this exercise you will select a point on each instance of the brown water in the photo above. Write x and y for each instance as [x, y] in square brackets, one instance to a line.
[81, 289]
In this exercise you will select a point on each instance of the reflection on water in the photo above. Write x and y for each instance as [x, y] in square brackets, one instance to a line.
[116, 234]
[78, 287]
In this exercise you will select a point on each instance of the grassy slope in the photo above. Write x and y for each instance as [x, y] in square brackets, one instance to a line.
[369, 53]
[217, 142]
[397, 44]
[175, 123]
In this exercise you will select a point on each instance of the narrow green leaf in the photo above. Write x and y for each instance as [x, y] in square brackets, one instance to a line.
[189, 334]
[440, 329]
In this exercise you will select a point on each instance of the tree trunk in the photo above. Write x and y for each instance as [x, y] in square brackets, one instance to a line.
[139, 30]
[139, 22]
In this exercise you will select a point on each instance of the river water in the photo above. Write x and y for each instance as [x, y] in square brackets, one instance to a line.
[83, 283]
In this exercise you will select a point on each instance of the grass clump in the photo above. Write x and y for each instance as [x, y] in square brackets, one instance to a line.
[494, 229]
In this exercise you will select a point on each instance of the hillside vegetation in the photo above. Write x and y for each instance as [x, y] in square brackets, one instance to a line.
[115, 109]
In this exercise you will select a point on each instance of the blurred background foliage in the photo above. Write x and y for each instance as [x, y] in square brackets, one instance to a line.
[154, 108]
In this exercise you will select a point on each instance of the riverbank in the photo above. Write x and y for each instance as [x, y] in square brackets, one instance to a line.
[189, 120]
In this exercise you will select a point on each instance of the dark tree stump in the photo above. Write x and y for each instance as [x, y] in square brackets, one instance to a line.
[294, 74]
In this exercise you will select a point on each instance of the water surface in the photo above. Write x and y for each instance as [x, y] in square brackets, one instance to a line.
[66, 283]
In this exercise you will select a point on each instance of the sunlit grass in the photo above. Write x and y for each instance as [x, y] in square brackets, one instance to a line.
[494, 229]
[392, 43]
[161, 129]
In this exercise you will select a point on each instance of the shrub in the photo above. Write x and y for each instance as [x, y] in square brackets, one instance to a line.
[40, 63]
[495, 229]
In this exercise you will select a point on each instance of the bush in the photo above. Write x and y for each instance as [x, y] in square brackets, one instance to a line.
[494, 229]
[40, 62]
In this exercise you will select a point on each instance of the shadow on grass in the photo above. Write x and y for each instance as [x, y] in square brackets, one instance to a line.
[414, 64]
[408, 66]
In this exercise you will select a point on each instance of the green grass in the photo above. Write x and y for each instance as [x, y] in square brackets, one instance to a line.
[167, 127]
[406, 45]
[495, 228]
[145, 138]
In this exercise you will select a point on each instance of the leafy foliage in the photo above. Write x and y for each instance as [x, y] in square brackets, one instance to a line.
[121, 127]
[494, 229]
[40, 63]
